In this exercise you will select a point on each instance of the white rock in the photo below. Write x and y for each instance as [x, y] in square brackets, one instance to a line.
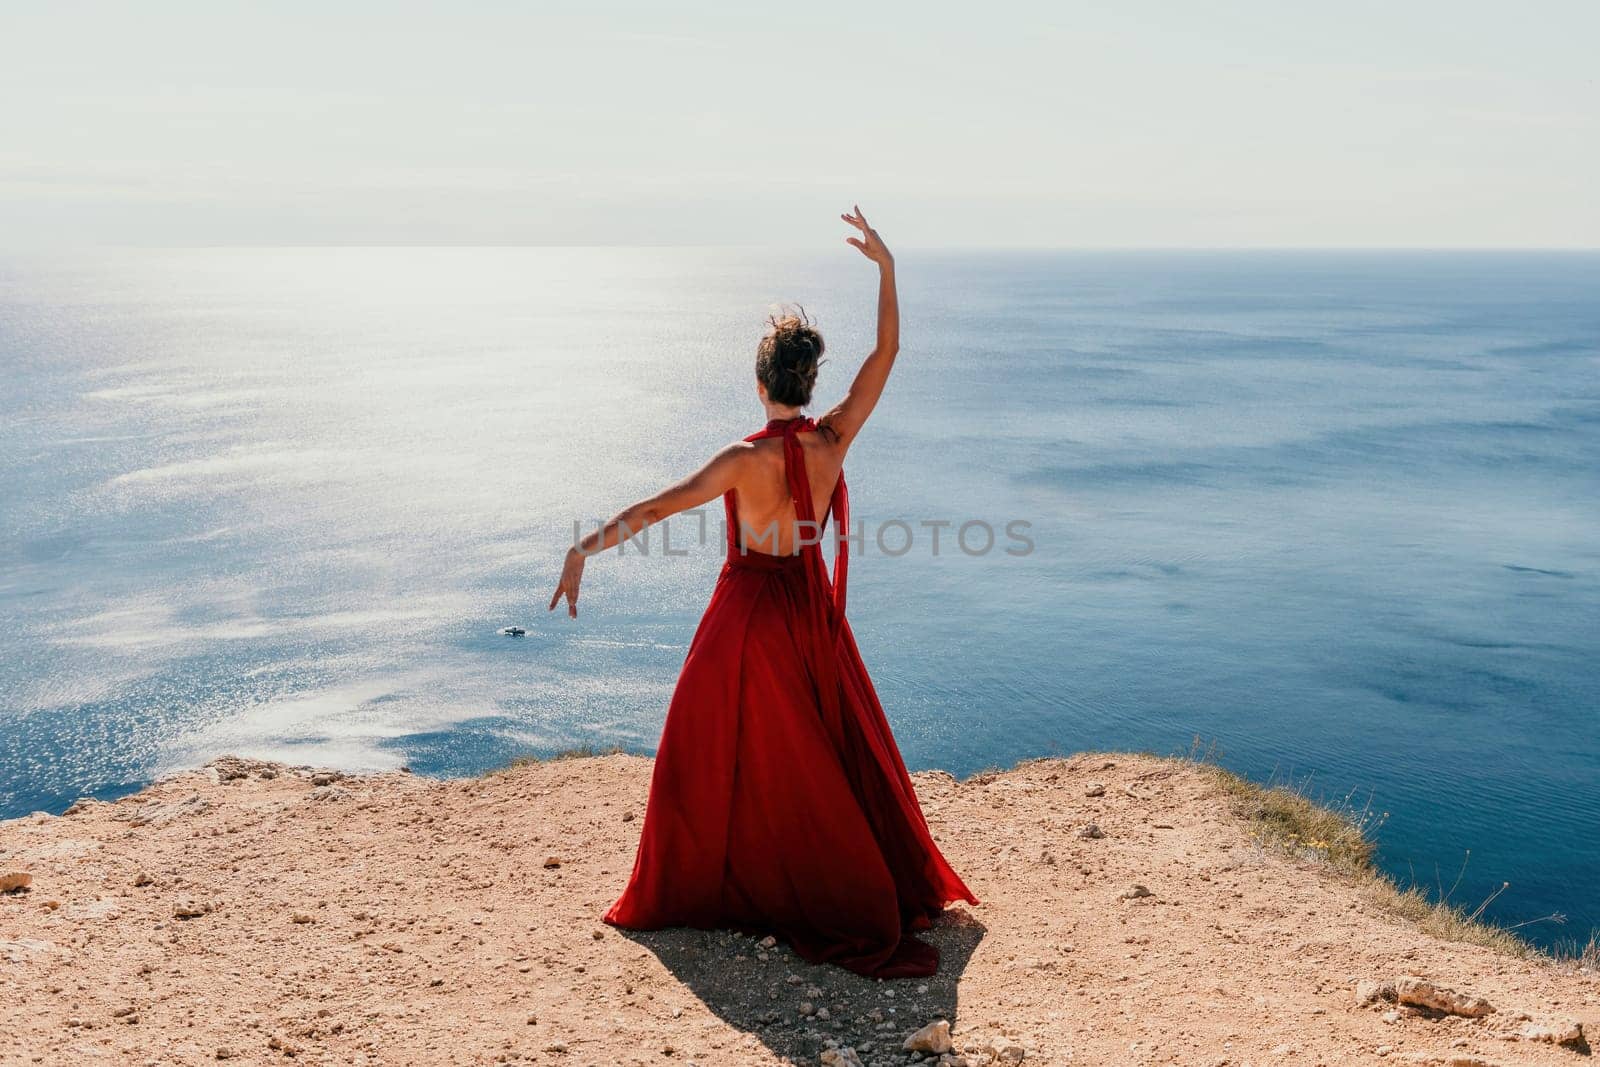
[158, 813]
[25, 949]
[226, 769]
[1425, 994]
[934, 1038]
[1372, 992]
[1558, 1032]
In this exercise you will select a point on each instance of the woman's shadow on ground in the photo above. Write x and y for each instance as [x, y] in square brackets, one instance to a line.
[768, 998]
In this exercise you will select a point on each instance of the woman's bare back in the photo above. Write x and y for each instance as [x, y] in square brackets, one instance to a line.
[765, 513]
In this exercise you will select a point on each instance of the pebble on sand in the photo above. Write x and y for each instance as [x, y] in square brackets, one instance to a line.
[934, 1038]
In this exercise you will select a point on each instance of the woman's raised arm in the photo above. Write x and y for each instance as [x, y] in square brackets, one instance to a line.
[707, 483]
[850, 414]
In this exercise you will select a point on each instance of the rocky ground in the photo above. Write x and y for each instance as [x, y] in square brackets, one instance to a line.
[262, 914]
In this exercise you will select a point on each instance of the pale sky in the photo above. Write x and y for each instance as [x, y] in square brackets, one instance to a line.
[1170, 124]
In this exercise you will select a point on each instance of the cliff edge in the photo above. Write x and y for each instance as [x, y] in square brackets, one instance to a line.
[1131, 915]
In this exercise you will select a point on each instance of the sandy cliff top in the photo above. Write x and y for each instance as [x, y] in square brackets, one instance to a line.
[394, 919]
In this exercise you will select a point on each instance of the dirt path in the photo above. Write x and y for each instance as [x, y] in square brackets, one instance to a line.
[399, 920]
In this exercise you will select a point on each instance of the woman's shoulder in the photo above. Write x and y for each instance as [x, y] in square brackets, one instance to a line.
[826, 438]
[747, 454]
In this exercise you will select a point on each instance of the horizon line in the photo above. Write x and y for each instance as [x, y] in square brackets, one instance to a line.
[663, 246]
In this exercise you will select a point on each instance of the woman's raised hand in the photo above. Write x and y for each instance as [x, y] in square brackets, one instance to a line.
[870, 244]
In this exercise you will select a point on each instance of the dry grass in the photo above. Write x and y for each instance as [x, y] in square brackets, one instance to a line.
[1341, 837]
[580, 752]
[1287, 820]
[1444, 920]
[1583, 955]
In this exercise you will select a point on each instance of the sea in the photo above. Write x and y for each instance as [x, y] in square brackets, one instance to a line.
[1331, 519]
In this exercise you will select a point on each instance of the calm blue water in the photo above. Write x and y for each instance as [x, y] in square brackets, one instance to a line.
[1335, 513]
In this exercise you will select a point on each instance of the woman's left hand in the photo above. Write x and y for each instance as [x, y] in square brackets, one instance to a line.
[571, 578]
[869, 243]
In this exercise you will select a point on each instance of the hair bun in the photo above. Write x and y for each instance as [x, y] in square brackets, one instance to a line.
[788, 357]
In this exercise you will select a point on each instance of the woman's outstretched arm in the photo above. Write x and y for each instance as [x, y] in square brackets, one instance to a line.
[707, 483]
[850, 414]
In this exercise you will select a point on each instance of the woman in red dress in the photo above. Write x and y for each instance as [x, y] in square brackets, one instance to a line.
[779, 802]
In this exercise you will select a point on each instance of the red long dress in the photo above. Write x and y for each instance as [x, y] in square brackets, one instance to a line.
[779, 801]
